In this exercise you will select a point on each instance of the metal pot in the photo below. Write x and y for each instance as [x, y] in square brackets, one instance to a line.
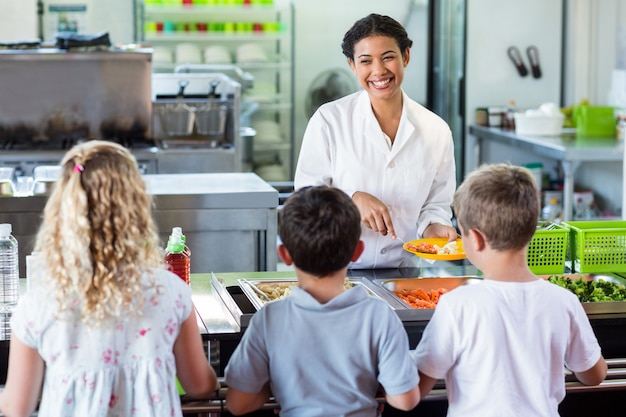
[247, 138]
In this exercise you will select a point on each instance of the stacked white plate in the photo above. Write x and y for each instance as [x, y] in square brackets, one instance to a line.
[217, 54]
[267, 131]
[162, 55]
[249, 53]
[188, 53]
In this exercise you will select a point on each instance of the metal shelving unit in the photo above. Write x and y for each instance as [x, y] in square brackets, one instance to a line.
[232, 27]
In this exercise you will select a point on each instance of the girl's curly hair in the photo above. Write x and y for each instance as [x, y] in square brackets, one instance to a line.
[98, 237]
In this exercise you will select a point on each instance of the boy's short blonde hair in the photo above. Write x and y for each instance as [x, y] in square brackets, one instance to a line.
[501, 201]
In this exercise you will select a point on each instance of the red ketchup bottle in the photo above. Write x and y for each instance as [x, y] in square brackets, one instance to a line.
[177, 258]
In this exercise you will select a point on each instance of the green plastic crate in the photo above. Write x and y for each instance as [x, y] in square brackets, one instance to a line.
[598, 246]
[547, 250]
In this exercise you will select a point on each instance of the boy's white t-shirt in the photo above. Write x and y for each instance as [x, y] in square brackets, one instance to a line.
[502, 347]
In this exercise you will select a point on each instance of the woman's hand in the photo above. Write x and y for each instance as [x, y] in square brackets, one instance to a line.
[441, 230]
[374, 213]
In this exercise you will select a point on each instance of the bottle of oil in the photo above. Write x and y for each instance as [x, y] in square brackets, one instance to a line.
[176, 259]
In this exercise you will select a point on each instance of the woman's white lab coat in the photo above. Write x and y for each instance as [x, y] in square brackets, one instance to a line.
[344, 147]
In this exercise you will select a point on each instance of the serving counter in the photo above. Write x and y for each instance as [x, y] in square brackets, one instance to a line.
[221, 331]
[224, 330]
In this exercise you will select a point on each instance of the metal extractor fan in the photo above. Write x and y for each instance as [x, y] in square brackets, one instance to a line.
[329, 85]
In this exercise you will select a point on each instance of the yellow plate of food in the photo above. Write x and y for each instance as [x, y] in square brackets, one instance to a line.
[436, 248]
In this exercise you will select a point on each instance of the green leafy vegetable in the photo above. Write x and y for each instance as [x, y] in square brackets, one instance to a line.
[591, 291]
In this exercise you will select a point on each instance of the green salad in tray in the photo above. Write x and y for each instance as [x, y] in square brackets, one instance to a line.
[591, 291]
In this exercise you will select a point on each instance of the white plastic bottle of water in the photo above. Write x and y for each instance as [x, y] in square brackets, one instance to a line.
[9, 270]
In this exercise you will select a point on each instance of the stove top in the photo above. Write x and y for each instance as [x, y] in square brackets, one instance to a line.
[18, 143]
[61, 135]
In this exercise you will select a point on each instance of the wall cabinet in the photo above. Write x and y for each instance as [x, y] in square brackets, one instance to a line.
[254, 35]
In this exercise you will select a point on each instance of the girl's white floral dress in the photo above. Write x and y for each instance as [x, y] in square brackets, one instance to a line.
[124, 368]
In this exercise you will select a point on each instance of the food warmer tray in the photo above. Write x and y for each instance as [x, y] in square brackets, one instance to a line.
[242, 300]
[606, 307]
[408, 313]
[449, 283]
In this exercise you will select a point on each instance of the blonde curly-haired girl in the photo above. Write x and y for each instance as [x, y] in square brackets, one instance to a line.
[108, 324]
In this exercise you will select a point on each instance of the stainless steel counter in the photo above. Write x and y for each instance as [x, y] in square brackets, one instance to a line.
[151, 160]
[222, 334]
[229, 219]
[569, 150]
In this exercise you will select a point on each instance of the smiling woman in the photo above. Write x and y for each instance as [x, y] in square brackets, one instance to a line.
[369, 143]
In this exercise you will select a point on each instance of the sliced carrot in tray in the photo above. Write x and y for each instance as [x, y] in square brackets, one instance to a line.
[419, 298]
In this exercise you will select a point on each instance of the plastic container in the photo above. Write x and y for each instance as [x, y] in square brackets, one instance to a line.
[538, 124]
[552, 212]
[9, 269]
[594, 120]
[177, 259]
[598, 246]
[536, 169]
[496, 116]
[547, 251]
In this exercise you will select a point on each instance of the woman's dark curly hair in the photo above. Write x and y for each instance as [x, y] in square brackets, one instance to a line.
[372, 25]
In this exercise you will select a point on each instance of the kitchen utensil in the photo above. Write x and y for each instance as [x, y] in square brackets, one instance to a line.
[516, 58]
[256, 290]
[211, 117]
[441, 242]
[178, 119]
[400, 239]
[533, 59]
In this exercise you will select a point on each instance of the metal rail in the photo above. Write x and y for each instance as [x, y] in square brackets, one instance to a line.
[615, 381]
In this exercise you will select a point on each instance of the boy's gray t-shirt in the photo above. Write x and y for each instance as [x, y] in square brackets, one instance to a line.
[324, 359]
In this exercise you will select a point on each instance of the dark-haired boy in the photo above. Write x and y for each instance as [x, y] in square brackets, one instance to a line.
[324, 349]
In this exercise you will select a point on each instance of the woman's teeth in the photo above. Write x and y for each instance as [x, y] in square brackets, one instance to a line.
[381, 83]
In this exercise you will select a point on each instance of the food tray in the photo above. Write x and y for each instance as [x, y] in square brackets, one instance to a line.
[242, 301]
[412, 314]
[598, 246]
[253, 288]
[607, 307]
[547, 251]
